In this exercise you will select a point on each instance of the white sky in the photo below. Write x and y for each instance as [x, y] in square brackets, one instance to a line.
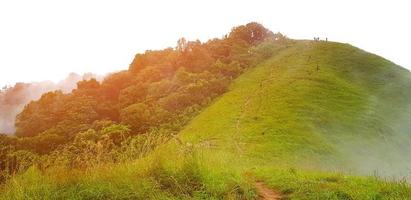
[46, 40]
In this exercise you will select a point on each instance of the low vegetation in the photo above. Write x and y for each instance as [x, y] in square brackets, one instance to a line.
[309, 119]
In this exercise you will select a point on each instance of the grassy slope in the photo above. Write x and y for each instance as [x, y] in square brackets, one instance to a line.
[342, 115]
[283, 122]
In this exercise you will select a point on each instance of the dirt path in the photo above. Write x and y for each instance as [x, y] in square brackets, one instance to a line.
[267, 193]
[243, 109]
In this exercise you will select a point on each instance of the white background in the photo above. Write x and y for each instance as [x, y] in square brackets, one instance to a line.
[46, 40]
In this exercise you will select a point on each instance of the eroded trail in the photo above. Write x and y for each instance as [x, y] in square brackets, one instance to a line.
[266, 193]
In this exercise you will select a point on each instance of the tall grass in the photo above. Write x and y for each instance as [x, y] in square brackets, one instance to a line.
[186, 176]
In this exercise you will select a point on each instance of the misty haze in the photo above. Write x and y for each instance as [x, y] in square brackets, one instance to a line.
[13, 99]
[262, 100]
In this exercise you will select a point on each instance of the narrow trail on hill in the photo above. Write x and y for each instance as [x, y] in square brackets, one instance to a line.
[238, 123]
[266, 193]
[243, 109]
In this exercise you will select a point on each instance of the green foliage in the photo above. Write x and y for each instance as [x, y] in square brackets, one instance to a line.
[116, 133]
[129, 95]
[138, 116]
[175, 79]
[297, 184]
[286, 113]
[128, 137]
[37, 117]
[131, 112]
[252, 33]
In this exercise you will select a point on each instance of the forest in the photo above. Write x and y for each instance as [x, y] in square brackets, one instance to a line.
[129, 113]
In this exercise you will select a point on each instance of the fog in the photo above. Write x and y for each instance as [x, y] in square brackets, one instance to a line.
[380, 142]
[383, 157]
[13, 99]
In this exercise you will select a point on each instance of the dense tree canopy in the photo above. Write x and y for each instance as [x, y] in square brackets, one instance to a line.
[159, 92]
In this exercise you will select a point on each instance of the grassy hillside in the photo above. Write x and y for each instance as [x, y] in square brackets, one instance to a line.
[314, 101]
[315, 106]
[309, 123]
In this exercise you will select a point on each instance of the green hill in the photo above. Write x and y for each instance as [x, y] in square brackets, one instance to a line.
[315, 104]
[312, 122]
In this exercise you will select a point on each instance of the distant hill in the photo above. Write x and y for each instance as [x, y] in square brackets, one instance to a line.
[13, 99]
